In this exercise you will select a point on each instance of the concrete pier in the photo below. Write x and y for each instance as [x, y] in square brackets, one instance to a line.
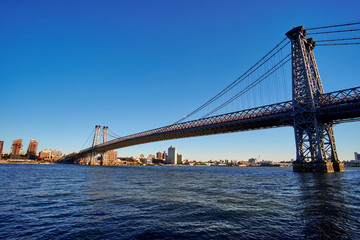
[327, 167]
[339, 167]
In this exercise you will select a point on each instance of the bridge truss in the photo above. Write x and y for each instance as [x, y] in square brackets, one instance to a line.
[311, 112]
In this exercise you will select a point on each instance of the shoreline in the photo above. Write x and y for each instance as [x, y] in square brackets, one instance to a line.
[23, 161]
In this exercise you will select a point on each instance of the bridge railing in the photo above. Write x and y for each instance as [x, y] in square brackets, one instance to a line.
[339, 97]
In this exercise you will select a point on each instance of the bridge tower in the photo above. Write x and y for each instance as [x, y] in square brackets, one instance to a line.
[100, 136]
[314, 138]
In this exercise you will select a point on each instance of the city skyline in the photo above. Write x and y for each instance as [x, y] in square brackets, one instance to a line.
[67, 68]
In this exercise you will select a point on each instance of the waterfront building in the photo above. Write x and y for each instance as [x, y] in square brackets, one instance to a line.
[45, 155]
[16, 148]
[158, 155]
[112, 157]
[357, 157]
[172, 155]
[157, 161]
[179, 159]
[164, 155]
[1, 147]
[31, 153]
[252, 160]
[56, 153]
[50, 155]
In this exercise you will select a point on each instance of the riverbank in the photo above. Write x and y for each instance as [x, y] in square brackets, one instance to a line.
[23, 161]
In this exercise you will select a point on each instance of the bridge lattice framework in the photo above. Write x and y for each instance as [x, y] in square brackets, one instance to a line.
[311, 112]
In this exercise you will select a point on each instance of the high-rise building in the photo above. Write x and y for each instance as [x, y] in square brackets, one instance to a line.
[158, 155]
[31, 153]
[179, 159]
[16, 148]
[172, 155]
[1, 147]
[164, 155]
[357, 157]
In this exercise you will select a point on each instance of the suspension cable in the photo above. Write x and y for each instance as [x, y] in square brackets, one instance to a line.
[110, 135]
[114, 134]
[88, 139]
[337, 44]
[332, 26]
[236, 82]
[256, 82]
[336, 31]
[339, 39]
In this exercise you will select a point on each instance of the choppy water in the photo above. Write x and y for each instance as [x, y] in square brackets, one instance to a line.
[83, 202]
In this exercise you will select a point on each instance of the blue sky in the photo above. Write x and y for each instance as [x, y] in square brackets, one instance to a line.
[66, 66]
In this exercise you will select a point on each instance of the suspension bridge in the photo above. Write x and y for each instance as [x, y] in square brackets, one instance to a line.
[311, 112]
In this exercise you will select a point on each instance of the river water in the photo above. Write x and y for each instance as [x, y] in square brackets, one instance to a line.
[142, 202]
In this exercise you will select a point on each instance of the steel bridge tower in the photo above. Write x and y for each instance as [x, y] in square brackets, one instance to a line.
[100, 136]
[314, 138]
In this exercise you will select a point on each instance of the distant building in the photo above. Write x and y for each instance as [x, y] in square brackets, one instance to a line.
[158, 155]
[172, 155]
[179, 159]
[1, 147]
[31, 153]
[164, 155]
[45, 155]
[357, 157]
[50, 155]
[141, 155]
[157, 161]
[252, 160]
[5, 155]
[16, 148]
[112, 157]
[56, 154]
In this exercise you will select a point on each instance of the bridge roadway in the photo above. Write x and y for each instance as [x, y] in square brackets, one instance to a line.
[335, 106]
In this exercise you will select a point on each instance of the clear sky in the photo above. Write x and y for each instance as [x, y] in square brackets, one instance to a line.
[66, 66]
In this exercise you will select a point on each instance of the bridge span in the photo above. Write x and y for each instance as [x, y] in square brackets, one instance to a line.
[311, 112]
[337, 106]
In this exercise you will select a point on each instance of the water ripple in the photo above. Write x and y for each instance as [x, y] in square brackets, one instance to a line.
[77, 202]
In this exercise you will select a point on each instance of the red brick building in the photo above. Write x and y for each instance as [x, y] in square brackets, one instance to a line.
[16, 148]
[31, 153]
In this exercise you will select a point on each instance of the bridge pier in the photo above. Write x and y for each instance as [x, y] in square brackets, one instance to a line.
[339, 167]
[92, 158]
[327, 167]
[88, 159]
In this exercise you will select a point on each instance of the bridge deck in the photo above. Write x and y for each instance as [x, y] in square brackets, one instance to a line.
[339, 105]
